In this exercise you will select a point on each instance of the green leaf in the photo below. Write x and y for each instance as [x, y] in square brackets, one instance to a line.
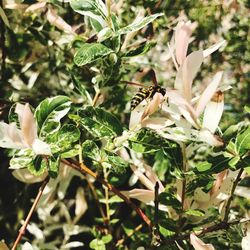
[62, 140]
[203, 166]
[91, 150]
[72, 152]
[243, 142]
[138, 25]
[4, 17]
[22, 159]
[38, 166]
[95, 9]
[107, 238]
[98, 122]
[168, 224]
[118, 165]
[147, 141]
[53, 166]
[89, 52]
[141, 50]
[247, 108]
[49, 113]
[165, 232]
[195, 212]
[234, 161]
[97, 244]
[169, 200]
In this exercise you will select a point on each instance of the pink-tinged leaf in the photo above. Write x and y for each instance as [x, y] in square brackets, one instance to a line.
[153, 177]
[213, 112]
[183, 32]
[208, 93]
[25, 176]
[206, 136]
[219, 180]
[10, 136]
[57, 21]
[142, 195]
[198, 244]
[143, 179]
[27, 123]
[36, 6]
[187, 72]
[153, 105]
[213, 48]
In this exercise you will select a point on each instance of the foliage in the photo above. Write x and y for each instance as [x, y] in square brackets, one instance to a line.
[79, 63]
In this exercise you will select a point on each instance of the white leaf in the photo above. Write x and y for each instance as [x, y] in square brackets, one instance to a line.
[136, 114]
[208, 93]
[10, 136]
[143, 195]
[245, 243]
[25, 176]
[213, 112]
[27, 246]
[213, 48]
[206, 136]
[41, 148]
[81, 203]
[72, 245]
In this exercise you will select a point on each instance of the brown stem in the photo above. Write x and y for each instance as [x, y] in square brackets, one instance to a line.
[84, 169]
[227, 209]
[26, 222]
[98, 202]
[2, 44]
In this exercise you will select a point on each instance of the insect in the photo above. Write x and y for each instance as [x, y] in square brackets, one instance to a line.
[145, 93]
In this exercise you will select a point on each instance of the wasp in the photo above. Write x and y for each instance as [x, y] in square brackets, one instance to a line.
[145, 93]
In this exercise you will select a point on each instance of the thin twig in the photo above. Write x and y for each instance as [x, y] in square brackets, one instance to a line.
[121, 241]
[26, 222]
[227, 209]
[84, 169]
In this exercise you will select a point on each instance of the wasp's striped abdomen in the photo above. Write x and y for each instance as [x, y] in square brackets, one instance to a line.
[144, 93]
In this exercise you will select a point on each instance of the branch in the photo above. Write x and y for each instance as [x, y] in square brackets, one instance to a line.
[227, 209]
[220, 226]
[26, 222]
[85, 170]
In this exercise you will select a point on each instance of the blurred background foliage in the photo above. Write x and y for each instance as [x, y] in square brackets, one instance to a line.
[39, 64]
